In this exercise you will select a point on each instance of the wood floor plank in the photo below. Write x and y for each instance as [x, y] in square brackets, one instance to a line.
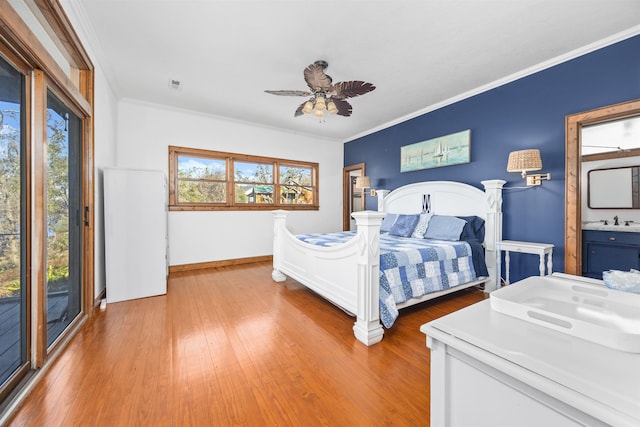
[228, 346]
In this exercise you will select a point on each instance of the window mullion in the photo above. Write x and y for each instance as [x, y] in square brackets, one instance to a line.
[276, 183]
[231, 185]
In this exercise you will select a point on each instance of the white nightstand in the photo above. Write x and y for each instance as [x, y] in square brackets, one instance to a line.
[540, 249]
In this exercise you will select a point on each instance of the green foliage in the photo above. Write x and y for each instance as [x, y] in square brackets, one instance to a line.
[10, 289]
[57, 203]
[13, 286]
[57, 273]
[241, 196]
[201, 192]
[10, 199]
[57, 185]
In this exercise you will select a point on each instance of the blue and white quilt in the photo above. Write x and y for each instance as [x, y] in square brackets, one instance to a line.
[410, 268]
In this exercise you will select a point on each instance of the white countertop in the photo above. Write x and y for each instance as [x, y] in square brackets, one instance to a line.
[607, 379]
[599, 226]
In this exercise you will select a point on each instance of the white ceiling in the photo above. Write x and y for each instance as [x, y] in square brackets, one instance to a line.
[419, 54]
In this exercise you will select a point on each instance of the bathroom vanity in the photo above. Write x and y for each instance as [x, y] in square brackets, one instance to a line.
[609, 247]
[556, 351]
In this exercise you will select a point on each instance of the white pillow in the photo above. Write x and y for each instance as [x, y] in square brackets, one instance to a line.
[421, 226]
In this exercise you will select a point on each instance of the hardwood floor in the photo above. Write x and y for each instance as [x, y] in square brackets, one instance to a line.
[229, 346]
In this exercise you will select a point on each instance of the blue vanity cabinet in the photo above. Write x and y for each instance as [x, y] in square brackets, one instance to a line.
[609, 250]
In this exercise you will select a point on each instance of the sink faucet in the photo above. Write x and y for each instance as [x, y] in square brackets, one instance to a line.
[615, 220]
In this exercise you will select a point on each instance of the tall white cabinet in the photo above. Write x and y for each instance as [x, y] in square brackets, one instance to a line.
[135, 221]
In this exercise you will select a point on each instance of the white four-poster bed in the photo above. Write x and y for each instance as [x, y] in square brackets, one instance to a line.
[348, 274]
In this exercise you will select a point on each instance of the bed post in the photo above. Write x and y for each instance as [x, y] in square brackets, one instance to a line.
[279, 225]
[493, 230]
[367, 328]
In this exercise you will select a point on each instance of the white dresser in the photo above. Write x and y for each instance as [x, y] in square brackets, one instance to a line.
[492, 369]
[135, 221]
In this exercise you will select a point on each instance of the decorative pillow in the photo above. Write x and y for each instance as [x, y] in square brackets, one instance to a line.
[421, 226]
[474, 229]
[404, 225]
[444, 227]
[388, 221]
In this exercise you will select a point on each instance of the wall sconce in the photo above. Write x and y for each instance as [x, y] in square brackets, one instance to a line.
[363, 182]
[527, 160]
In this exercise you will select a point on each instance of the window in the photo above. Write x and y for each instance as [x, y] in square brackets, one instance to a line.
[213, 180]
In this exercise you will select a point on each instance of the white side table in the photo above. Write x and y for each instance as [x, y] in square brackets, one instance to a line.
[541, 249]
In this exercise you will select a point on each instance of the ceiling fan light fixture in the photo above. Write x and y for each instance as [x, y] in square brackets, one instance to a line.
[324, 93]
[308, 107]
[320, 103]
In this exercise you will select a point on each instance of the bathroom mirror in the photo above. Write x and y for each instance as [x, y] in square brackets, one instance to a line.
[614, 188]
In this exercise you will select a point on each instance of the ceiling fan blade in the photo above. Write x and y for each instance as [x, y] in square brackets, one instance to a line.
[352, 88]
[344, 108]
[289, 92]
[315, 77]
[299, 110]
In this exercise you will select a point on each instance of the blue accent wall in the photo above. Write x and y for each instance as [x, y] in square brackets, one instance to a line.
[527, 113]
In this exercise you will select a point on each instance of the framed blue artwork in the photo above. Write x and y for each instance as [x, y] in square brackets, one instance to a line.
[452, 149]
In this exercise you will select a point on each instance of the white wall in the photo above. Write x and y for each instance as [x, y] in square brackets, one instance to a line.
[105, 125]
[144, 133]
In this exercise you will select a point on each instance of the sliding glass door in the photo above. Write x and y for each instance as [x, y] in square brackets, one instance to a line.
[63, 217]
[46, 190]
[14, 289]
[63, 226]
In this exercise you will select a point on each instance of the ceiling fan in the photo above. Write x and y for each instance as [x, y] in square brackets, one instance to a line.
[325, 95]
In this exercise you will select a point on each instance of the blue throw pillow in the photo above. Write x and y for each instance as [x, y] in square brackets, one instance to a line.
[404, 225]
[388, 221]
[444, 227]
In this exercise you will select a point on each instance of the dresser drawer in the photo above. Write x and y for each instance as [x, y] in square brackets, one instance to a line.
[618, 237]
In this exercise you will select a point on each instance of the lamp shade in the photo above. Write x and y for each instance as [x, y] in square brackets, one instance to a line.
[363, 182]
[524, 160]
